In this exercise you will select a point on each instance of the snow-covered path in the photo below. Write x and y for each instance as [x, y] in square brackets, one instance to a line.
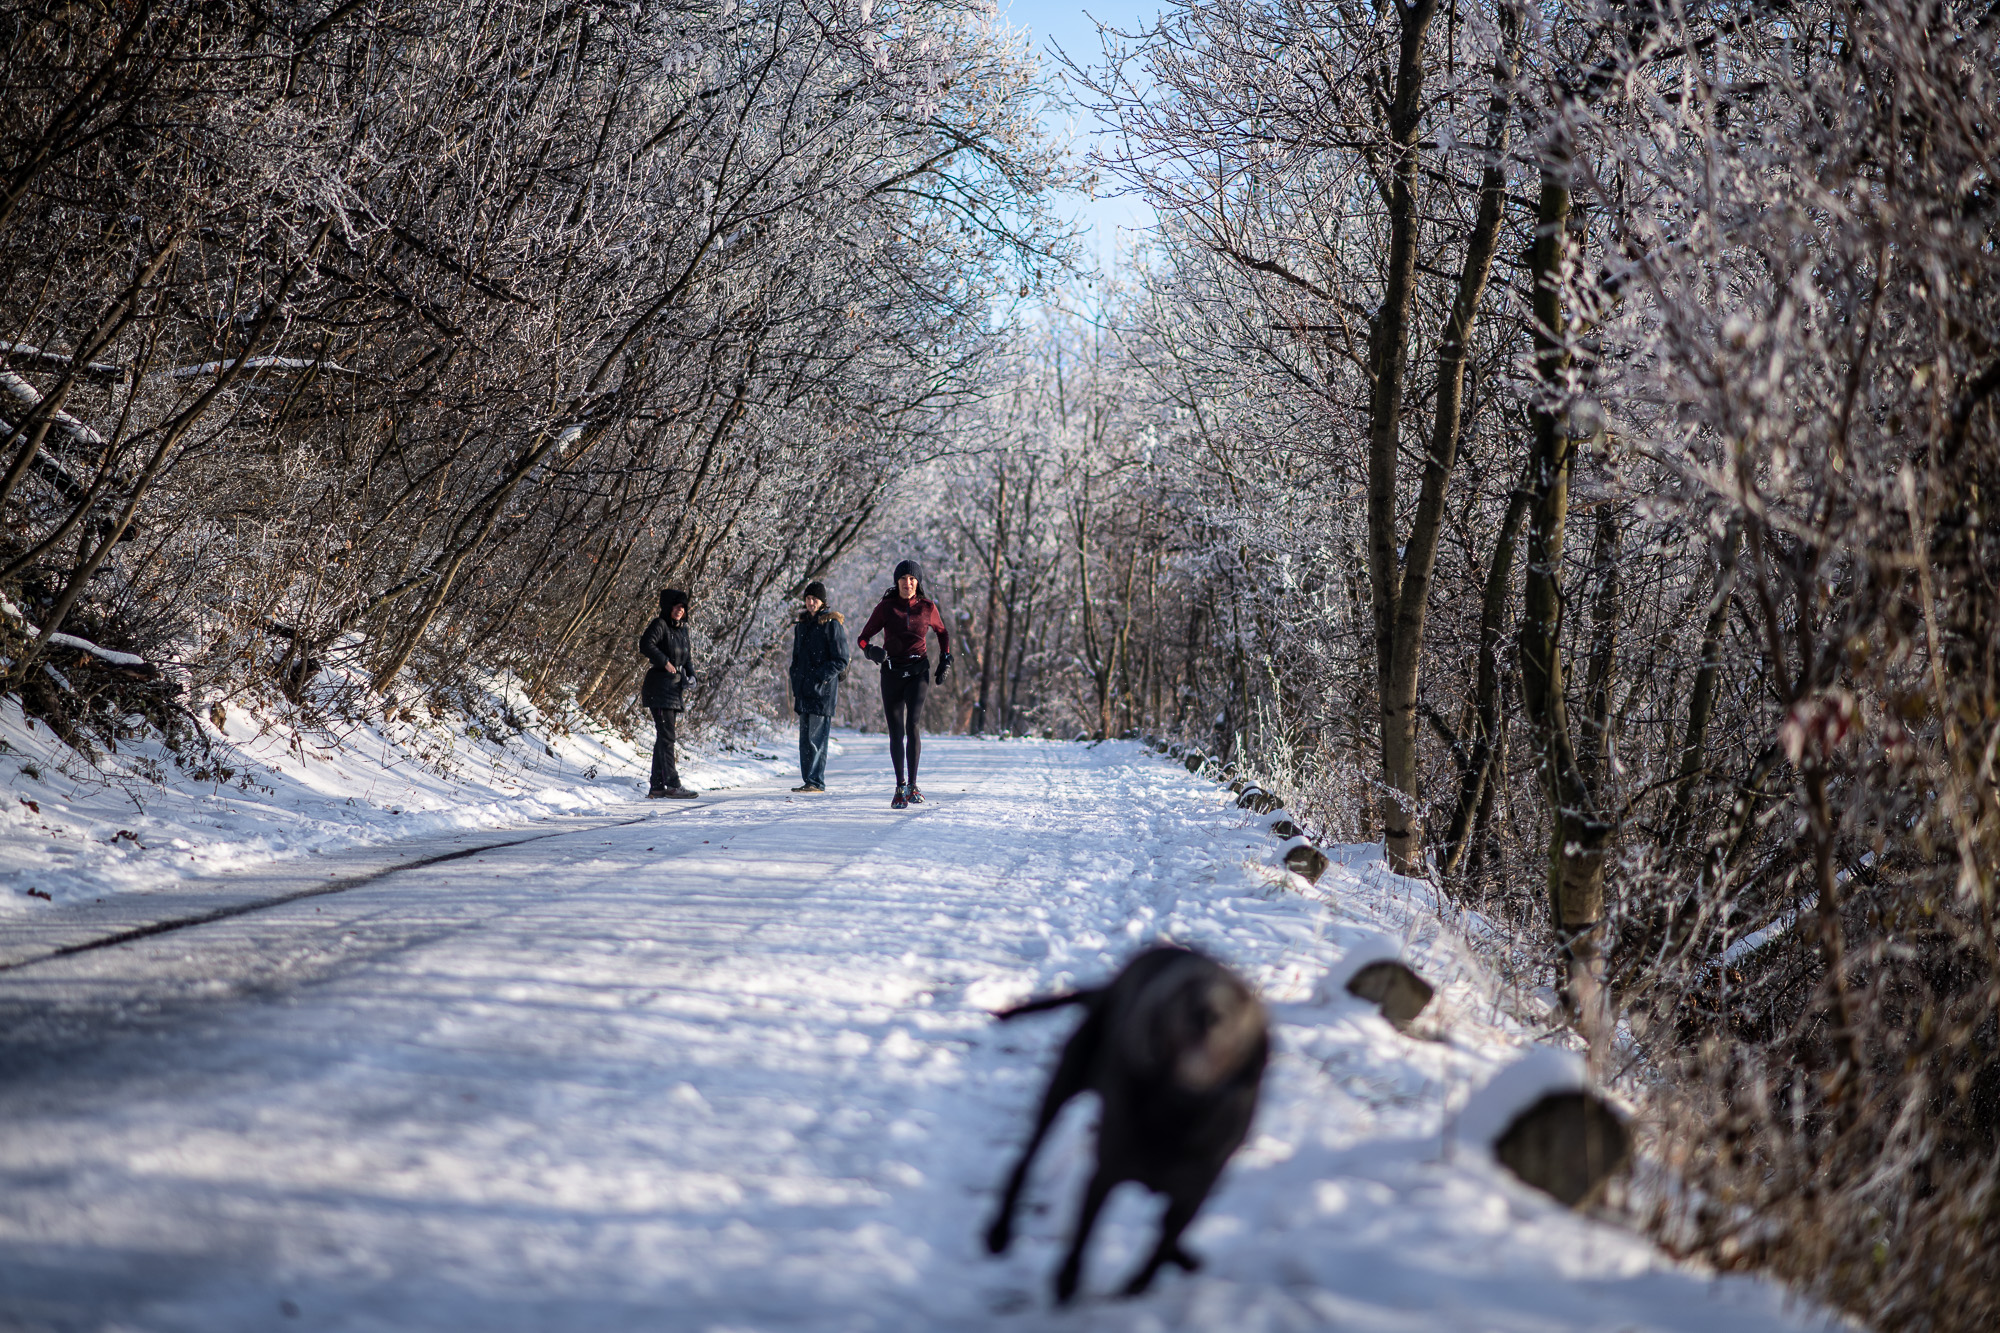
[730, 1069]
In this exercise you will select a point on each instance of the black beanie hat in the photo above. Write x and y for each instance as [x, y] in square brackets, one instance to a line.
[669, 599]
[815, 589]
[912, 568]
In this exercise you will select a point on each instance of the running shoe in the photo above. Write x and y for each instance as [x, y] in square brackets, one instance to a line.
[902, 799]
[916, 797]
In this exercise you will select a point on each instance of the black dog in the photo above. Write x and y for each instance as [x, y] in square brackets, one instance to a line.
[1175, 1047]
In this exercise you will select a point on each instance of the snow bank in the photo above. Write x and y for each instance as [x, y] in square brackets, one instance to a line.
[71, 830]
[1540, 1071]
[1363, 947]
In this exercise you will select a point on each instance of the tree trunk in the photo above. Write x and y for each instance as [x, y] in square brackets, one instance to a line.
[1474, 785]
[1119, 640]
[1578, 834]
[1004, 695]
[1707, 677]
[1402, 588]
[1596, 758]
[1388, 356]
[992, 605]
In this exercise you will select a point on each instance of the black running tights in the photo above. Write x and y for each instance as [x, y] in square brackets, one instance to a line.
[903, 705]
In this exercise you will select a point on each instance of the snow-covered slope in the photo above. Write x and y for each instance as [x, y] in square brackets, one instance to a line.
[731, 1069]
[71, 830]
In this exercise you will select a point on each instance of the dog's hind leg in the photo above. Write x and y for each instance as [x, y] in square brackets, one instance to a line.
[1071, 1271]
[1180, 1212]
[1071, 1077]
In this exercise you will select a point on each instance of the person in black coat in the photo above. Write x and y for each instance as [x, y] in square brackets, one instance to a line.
[819, 659]
[665, 644]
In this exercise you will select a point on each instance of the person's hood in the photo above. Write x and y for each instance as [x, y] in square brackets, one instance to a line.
[670, 599]
[821, 617]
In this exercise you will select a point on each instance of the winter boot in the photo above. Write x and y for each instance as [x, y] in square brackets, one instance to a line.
[656, 793]
[916, 797]
[902, 801]
[681, 794]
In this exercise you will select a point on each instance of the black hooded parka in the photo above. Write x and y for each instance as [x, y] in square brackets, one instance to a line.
[664, 641]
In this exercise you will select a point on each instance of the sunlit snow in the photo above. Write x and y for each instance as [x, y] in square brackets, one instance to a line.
[730, 1068]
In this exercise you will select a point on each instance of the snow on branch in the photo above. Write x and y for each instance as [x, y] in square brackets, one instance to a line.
[27, 396]
[24, 354]
[111, 655]
[130, 663]
[287, 364]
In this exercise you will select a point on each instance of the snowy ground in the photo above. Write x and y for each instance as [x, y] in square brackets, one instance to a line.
[729, 1069]
[74, 832]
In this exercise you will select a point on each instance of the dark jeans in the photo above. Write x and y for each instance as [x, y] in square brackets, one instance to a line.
[665, 772]
[813, 730]
[903, 705]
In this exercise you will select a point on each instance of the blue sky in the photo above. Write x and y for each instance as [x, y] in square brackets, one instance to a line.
[1110, 221]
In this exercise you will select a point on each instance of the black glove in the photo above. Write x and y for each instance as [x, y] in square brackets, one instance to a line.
[875, 652]
[944, 665]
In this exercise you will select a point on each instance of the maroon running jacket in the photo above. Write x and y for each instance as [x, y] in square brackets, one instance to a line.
[902, 626]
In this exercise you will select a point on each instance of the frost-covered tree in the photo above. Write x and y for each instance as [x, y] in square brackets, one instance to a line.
[392, 338]
[1569, 431]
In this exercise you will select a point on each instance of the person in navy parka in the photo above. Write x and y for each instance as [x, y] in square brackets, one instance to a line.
[819, 659]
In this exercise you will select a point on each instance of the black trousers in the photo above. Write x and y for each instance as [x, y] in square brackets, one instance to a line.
[903, 706]
[665, 772]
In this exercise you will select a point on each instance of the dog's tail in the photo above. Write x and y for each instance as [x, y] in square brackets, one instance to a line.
[1049, 1002]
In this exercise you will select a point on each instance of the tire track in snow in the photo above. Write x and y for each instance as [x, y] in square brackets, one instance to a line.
[340, 885]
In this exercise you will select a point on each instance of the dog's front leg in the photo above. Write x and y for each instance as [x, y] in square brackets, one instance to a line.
[1179, 1213]
[1070, 1078]
[1001, 1234]
[1071, 1272]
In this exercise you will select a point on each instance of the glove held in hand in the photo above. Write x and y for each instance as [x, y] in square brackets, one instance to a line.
[944, 665]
